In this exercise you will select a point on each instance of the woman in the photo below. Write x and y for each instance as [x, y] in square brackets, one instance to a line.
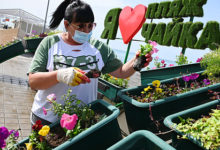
[50, 70]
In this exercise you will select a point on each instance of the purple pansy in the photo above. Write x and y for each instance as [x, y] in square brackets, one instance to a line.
[206, 81]
[2, 143]
[4, 133]
[186, 78]
[194, 76]
[15, 132]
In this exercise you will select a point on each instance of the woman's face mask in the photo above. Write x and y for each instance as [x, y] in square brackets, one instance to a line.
[81, 37]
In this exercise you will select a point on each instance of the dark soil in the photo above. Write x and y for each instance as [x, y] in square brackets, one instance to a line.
[94, 73]
[139, 63]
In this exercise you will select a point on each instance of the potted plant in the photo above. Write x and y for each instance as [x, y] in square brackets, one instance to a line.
[32, 41]
[80, 126]
[141, 140]
[153, 102]
[199, 124]
[109, 86]
[10, 50]
[161, 71]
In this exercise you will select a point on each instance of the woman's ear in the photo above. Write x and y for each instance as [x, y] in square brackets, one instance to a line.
[66, 24]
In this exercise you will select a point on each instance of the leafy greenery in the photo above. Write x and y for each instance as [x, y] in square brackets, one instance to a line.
[145, 49]
[8, 43]
[116, 81]
[33, 36]
[205, 129]
[181, 59]
[211, 63]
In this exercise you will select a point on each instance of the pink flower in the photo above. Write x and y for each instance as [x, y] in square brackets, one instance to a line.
[45, 111]
[155, 50]
[157, 57]
[153, 43]
[51, 97]
[68, 121]
[162, 61]
[199, 59]
[154, 67]
[171, 65]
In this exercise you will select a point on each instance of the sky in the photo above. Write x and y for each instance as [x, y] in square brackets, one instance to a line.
[101, 8]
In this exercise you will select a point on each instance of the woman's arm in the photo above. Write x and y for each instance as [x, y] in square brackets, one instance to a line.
[42, 80]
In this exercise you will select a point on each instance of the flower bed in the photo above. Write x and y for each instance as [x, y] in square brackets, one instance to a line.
[10, 50]
[141, 140]
[109, 86]
[106, 131]
[151, 112]
[201, 131]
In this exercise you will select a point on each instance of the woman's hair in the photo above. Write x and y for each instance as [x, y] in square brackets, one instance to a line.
[72, 11]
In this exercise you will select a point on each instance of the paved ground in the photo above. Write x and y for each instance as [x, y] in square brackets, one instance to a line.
[16, 97]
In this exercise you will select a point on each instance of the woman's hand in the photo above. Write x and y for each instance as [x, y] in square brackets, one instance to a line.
[72, 76]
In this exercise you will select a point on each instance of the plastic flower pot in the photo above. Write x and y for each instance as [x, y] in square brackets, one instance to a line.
[11, 51]
[194, 113]
[168, 72]
[141, 140]
[138, 114]
[99, 136]
[109, 90]
[32, 44]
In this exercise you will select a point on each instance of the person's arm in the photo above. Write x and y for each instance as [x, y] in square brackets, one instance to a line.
[127, 69]
[42, 80]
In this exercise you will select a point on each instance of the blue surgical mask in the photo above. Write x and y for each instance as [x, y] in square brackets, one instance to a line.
[81, 37]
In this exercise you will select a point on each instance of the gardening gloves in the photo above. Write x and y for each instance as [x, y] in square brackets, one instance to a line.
[72, 76]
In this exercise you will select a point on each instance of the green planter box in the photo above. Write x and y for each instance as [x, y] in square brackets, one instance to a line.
[109, 90]
[194, 113]
[138, 114]
[141, 140]
[168, 72]
[99, 136]
[32, 44]
[11, 51]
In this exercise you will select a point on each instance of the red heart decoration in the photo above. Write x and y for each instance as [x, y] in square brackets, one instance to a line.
[131, 21]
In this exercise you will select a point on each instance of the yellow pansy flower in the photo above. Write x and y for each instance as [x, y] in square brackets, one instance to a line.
[147, 88]
[159, 90]
[29, 146]
[156, 83]
[44, 130]
[142, 92]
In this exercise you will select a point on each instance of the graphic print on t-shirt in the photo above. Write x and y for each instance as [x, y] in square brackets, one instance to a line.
[83, 62]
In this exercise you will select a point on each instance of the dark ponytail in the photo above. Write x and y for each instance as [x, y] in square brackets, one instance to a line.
[72, 11]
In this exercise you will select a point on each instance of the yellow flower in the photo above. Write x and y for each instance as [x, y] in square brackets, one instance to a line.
[159, 90]
[210, 74]
[128, 78]
[142, 92]
[29, 146]
[147, 89]
[156, 83]
[44, 130]
[116, 78]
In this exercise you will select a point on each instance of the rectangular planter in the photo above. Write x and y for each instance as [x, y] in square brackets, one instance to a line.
[168, 72]
[11, 51]
[109, 90]
[138, 114]
[32, 44]
[141, 140]
[194, 113]
[99, 136]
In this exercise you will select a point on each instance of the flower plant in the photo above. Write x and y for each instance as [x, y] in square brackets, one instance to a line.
[75, 117]
[116, 81]
[159, 91]
[15, 40]
[211, 63]
[8, 139]
[42, 35]
[150, 47]
[204, 129]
